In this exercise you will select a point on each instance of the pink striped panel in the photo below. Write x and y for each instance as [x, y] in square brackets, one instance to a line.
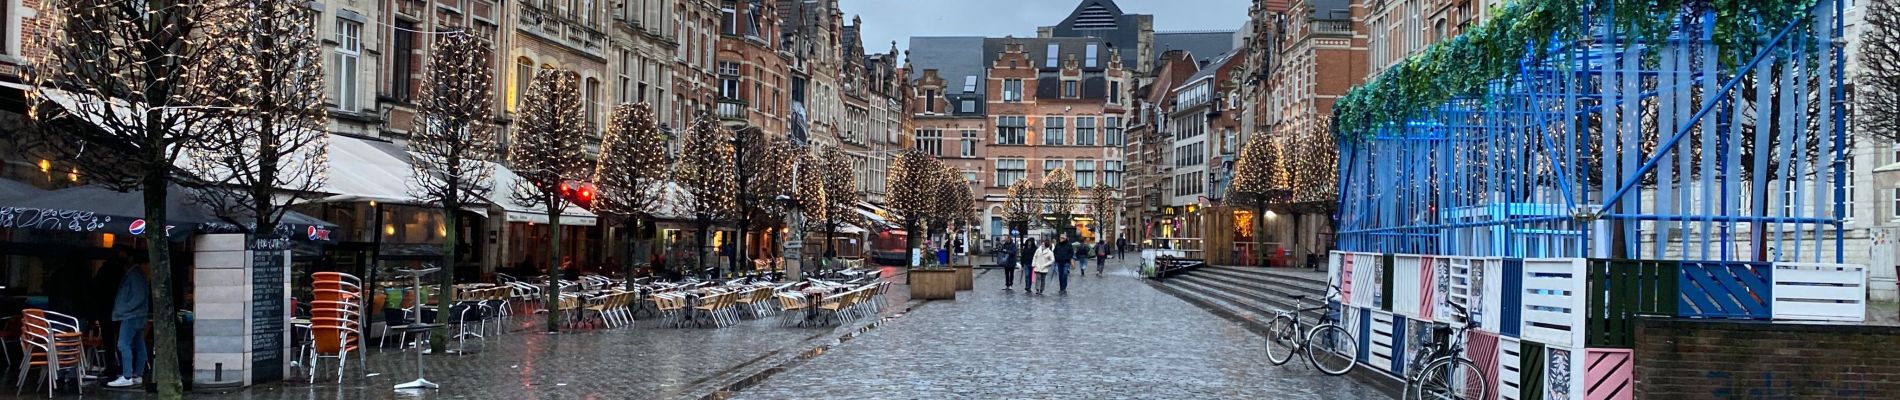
[1482, 348]
[1345, 279]
[1427, 289]
[1608, 374]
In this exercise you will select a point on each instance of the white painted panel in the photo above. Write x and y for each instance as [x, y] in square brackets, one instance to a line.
[1826, 292]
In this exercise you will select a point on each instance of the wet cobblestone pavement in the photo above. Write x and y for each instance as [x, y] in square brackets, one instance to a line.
[1110, 337]
[638, 362]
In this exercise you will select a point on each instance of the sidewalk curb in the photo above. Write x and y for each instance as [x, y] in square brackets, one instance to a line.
[1387, 384]
[757, 371]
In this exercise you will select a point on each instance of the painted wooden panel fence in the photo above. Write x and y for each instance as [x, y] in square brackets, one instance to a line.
[1365, 279]
[1482, 349]
[1511, 317]
[1510, 371]
[1384, 339]
[1554, 297]
[1408, 283]
[1530, 372]
[1460, 289]
[1489, 313]
[1725, 289]
[1434, 284]
[1363, 326]
[1827, 292]
[1339, 271]
[1563, 373]
[1622, 289]
[1609, 374]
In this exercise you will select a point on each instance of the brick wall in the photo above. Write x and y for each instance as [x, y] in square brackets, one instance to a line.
[1707, 359]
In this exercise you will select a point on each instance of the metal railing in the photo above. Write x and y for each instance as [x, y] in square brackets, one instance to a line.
[731, 109]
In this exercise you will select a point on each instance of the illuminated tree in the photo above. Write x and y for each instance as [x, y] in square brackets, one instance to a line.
[705, 170]
[955, 205]
[120, 89]
[1102, 201]
[1059, 198]
[546, 153]
[840, 196]
[762, 173]
[1294, 171]
[452, 149]
[273, 151]
[630, 176]
[913, 178]
[1021, 206]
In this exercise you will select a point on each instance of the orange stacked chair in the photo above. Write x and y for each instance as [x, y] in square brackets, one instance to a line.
[336, 317]
[52, 342]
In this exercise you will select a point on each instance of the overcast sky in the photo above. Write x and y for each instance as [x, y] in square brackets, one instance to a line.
[888, 20]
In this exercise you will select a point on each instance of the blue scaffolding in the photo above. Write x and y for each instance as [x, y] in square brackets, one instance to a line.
[1621, 145]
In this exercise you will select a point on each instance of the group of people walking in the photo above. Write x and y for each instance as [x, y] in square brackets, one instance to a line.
[1039, 259]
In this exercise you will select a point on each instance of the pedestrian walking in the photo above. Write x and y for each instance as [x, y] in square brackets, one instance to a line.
[1006, 257]
[1101, 257]
[1045, 261]
[131, 307]
[1082, 257]
[1065, 254]
[1027, 257]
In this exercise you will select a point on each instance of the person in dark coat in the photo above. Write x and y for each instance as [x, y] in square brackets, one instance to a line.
[1065, 253]
[1101, 256]
[1025, 257]
[1006, 257]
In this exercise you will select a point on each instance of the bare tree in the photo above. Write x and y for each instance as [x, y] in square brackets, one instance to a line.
[124, 86]
[955, 206]
[1878, 93]
[452, 150]
[705, 169]
[631, 169]
[1259, 182]
[546, 153]
[274, 150]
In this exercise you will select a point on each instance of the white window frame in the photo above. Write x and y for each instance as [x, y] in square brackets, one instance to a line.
[349, 58]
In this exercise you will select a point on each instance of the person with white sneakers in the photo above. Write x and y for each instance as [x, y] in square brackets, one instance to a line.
[131, 307]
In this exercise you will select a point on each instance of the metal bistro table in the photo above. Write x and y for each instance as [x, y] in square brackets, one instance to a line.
[419, 327]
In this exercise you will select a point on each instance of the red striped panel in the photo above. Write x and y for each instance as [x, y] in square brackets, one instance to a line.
[1345, 279]
[1608, 374]
[1482, 348]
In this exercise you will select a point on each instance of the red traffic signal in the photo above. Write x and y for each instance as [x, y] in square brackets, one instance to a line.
[578, 193]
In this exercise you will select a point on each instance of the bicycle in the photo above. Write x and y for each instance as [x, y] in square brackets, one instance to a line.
[1441, 372]
[1328, 346]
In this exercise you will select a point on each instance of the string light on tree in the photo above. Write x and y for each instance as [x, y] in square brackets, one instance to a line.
[547, 156]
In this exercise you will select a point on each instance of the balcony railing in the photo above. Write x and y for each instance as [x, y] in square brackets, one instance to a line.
[731, 109]
[1332, 27]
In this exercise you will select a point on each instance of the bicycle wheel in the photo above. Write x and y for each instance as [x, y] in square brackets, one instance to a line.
[1332, 349]
[1282, 338]
[1449, 379]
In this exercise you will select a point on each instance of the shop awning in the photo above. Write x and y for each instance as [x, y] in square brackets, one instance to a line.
[672, 202]
[503, 196]
[97, 209]
[12, 189]
[368, 170]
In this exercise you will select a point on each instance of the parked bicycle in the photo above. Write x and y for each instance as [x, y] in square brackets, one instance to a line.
[1328, 346]
[1439, 370]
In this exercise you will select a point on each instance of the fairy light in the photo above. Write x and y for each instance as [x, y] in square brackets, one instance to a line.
[453, 145]
[705, 170]
[631, 167]
[546, 152]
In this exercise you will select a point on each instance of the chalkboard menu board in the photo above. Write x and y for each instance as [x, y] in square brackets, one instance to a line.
[268, 299]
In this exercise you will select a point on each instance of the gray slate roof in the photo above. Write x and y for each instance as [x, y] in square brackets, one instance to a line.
[1202, 45]
[1213, 65]
[954, 58]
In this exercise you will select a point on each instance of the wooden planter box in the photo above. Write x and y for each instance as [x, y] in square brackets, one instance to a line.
[933, 284]
[966, 276]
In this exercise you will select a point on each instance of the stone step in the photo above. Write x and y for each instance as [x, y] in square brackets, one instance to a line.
[1255, 318]
[1293, 274]
[1263, 302]
[1270, 282]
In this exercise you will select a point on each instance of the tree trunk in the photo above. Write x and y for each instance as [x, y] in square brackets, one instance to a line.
[1259, 236]
[626, 266]
[705, 242]
[164, 313]
[554, 269]
[738, 249]
[445, 279]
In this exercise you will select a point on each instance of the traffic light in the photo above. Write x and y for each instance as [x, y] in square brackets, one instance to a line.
[578, 193]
